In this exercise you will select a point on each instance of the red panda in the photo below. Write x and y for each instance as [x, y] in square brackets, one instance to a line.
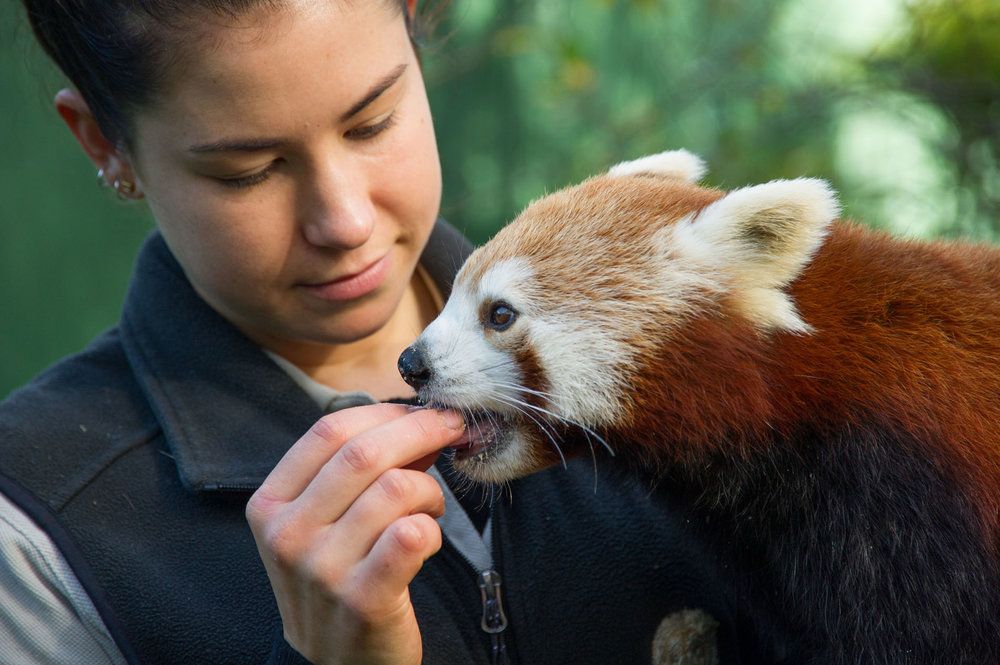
[826, 395]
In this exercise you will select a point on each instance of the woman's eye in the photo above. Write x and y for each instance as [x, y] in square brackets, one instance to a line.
[246, 181]
[501, 316]
[371, 131]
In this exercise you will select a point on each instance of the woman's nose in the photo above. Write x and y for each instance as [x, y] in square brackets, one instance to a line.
[338, 212]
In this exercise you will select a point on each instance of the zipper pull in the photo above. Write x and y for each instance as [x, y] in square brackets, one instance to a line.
[494, 620]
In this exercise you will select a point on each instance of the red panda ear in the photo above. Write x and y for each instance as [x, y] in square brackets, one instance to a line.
[759, 239]
[678, 164]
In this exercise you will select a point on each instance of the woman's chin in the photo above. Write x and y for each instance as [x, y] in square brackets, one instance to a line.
[353, 323]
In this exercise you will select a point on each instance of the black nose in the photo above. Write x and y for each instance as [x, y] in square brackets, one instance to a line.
[412, 368]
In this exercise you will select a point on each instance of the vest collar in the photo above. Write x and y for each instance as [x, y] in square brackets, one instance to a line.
[227, 411]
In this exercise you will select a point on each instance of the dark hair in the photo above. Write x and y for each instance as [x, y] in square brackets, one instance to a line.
[118, 53]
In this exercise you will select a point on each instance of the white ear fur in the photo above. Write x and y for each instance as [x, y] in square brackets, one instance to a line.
[761, 238]
[679, 164]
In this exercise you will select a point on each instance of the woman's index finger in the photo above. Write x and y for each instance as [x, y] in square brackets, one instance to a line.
[320, 443]
[357, 465]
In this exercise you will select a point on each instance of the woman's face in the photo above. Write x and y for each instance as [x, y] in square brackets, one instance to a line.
[291, 165]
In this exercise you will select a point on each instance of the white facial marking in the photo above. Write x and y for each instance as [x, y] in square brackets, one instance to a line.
[582, 356]
[457, 352]
[506, 281]
[469, 371]
[582, 363]
[679, 164]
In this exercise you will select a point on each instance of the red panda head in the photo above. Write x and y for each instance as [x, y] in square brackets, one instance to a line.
[551, 323]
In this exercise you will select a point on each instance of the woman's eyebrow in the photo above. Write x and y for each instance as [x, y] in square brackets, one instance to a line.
[375, 92]
[255, 145]
[237, 145]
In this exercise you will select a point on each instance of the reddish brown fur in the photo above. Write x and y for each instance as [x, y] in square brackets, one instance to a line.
[580, 218]
[934, 369]
[904, 329]
[849, 475]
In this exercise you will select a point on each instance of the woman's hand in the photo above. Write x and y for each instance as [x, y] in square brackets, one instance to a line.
[344, 522]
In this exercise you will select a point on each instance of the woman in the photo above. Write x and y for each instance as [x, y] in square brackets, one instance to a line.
[286, 151]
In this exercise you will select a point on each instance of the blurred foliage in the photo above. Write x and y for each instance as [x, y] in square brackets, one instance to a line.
[950, 56]
[529, 96]
[895, 102]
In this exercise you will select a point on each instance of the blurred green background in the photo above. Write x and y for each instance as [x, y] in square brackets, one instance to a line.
[896, 102]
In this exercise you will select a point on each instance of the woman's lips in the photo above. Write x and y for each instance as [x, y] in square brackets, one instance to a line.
[352, 286]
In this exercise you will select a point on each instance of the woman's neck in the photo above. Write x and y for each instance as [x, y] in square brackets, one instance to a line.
[369, 364]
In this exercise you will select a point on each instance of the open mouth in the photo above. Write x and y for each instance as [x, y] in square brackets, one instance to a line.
[485, 434]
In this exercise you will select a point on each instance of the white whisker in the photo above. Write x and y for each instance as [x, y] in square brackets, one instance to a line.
[540, 424]
[504, 363]
[522, 389]
[569, 422]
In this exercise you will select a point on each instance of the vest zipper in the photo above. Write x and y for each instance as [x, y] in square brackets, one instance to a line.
[235, 487]
[494, 621]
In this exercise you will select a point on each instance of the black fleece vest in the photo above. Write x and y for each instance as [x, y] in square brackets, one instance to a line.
[146, 446]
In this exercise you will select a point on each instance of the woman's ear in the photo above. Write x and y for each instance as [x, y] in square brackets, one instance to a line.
[107, 157]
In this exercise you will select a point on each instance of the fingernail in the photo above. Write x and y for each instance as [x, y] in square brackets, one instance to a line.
[452, 419]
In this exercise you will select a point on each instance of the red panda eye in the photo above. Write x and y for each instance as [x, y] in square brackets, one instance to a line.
[501, 316]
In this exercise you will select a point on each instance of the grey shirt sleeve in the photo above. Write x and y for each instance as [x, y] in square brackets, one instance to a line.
[46, 617]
